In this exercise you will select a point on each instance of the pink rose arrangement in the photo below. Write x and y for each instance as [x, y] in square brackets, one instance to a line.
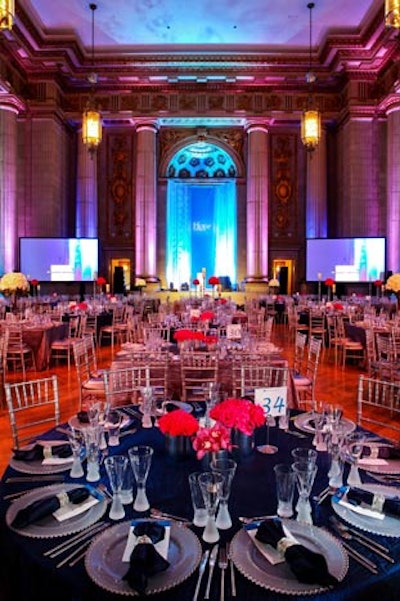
[241, 414]
[211, 440]
[178, 423]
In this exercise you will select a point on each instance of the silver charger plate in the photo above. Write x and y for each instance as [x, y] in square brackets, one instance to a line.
[103, 560]
[36, 467]
[392, 466]
[49, 527]
[74, 422]
[389, 526]
[279, 578]
[304, 422]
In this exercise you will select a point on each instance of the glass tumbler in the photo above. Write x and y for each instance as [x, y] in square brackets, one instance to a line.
[227, 468]
[211, 485]
[116, 467]
[140, 458]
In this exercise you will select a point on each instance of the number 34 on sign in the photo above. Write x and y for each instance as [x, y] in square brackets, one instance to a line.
[272, 400]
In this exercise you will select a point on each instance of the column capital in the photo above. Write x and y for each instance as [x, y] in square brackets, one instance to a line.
[391, 103]
[11, 102]
[258, 125]
[147, 125]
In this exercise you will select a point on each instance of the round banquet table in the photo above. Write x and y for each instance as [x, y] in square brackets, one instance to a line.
[25, 574]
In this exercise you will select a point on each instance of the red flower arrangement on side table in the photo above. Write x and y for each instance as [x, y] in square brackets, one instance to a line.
[240, 414]
[213, 280]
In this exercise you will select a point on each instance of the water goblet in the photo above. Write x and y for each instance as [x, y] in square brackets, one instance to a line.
[304, 455]
[76, 441]
[211, 485]
[140, 458]
[199, 507]
[113, 421]
[227, 468]
[116, 467]
[335, 444]
[148, 406]
[92, 435]
[305, 476]
[354, 447]
[285, 479]
[211, 396]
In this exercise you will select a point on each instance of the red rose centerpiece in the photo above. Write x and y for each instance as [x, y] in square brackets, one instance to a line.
[179, 427]
[242, 417]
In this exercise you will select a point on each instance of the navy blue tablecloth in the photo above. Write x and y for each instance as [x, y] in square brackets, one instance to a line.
[26, 575]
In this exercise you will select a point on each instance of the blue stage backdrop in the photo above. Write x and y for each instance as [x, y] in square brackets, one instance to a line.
[201, 230]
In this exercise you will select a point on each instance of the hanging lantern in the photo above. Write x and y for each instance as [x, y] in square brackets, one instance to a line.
[91, 127]
[311, 118]
[311, 129]
[91, 118]
[392, 13]
[7, 14]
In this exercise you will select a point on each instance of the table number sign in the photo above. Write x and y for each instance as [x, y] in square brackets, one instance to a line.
[234, 331]
[272, 400]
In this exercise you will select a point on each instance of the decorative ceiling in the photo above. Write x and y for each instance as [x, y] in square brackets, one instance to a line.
[172, 23]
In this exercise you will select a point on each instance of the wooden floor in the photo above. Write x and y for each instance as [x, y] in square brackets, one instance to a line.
[334, 384]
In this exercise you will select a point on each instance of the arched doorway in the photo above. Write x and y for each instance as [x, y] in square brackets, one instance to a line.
[201, 224]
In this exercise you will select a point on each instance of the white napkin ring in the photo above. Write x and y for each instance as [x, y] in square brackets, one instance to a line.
[284, 544]
[144, 539]
[378, 502]
[63, 498]
[374, 452]
[47, 454]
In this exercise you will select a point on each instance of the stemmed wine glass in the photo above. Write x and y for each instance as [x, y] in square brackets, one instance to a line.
[116, 467]
[305, 476]
[354, 446]
[140, 458]
[227, 468]
[211, 485]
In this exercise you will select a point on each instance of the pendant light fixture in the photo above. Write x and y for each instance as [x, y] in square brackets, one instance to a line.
[91, 120]
[392, 13]
[311, 117]
[7, 14]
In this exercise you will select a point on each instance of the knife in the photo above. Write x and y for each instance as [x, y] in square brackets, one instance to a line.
[202, 567]
[211, 566]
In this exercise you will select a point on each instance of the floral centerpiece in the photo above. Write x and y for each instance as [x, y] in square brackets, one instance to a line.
[393, 283]
[329, 282]
[240, 414]
[213, 280]
[14, 283]
[179, 427]
[211, 440]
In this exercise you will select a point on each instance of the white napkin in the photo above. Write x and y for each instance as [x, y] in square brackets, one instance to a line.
[270, 553]
[370, 461]
[369, 513]
[57, 460]
[162, 546]
[70, 510]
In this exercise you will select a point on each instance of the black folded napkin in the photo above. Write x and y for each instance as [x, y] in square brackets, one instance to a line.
[145, 561]
[44, 507]
[83, 417]
[308, 567]
[38, 452]
[382, 452]
[389, 507]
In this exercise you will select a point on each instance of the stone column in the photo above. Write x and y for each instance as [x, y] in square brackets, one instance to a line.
[146, 200]
[393, 184]
[9, 108]
[257, 204]
[86, 193]
[316, 202]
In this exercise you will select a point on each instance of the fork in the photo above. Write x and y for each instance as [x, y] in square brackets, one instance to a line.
[222, 564]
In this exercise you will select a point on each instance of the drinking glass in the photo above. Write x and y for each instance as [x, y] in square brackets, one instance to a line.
[114, 421]
[211, 485]
[227, 468]
[116, 467]
[335, 443]
[354, 447]
[148, 406]
[199, 507]
[140, 458]
[305, 476]
[304, 455]
[76, 441]
[127, 486]
[285, 480]
[211, 396]
[92, 435]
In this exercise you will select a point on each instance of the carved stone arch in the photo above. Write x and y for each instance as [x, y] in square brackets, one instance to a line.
[173, 141]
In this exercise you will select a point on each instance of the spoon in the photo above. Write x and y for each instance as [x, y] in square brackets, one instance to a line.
[157, 513]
